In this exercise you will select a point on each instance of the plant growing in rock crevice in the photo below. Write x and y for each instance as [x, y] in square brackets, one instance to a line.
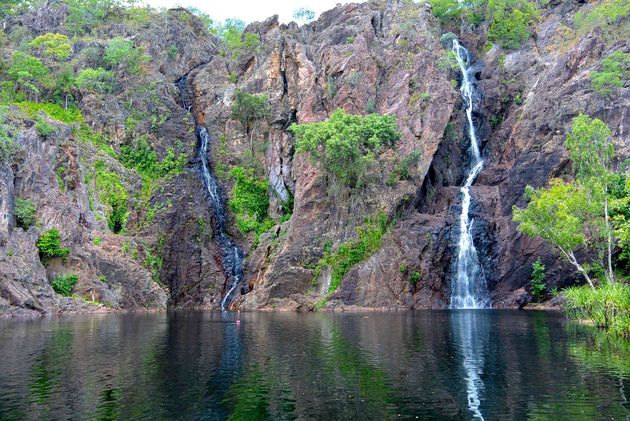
[49, 245]
[24, 212]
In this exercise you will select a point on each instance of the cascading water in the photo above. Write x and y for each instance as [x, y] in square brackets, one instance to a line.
[232, 255]
[469, 288]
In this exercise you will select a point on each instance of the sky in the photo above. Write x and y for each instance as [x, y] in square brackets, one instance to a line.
[251, 10]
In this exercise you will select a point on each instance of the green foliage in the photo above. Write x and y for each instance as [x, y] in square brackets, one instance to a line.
[70, 115]
[620, 214]
[346, 145]
[112, 194]
[331, 87]
[615, 70]
[248, 108]
[406, 164]
[448, 61]
[249, 201]
[172, 52]
[7, 133]
[510, 21]
[97, 240]
[63, 284]
[49, 244]
[153, 263]
[83, 15]
[236, 41]
[95, 80]
[43, 127]
[607, 307]
[53, 46]
[24, 212]
[605, 14]
[350, 253]
[143, 159]
[29, 73]
[414, 278]
[451, 12]
[538, 280]
[121, 51]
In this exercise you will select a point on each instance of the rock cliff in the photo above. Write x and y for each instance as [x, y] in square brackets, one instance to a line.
[383, 57]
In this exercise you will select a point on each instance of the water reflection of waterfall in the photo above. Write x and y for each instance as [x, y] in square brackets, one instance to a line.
[470, 331]
[469, 287]
[231, 254]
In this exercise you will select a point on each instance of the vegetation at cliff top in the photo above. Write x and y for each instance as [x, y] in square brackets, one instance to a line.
[509, 20]
[49, 244]
[346, 146]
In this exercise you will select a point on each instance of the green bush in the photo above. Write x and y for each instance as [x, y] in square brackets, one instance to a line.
[250, 201]
[603, 15]
[29, 74]
[510, 21]
[97, 240]
[24, 213]
[95, 80]
[63, 284]
[113, 194]
[43, 127]
[607, 306]
[537, 281]
[346, 145]
[615, 70]
[70, 115]
[350, 253]
[55, 46]
[121, 51]
[248, 108]
[7, 132]
[414, 278]
[143, 159]
[49, 244]
[236, 42]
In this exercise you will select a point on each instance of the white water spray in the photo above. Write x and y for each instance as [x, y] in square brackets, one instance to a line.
[469, 287]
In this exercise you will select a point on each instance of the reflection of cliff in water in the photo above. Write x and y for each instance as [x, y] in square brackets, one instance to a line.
[188, 365]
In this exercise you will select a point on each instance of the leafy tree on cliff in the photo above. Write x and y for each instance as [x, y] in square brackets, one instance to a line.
[52, 46]
[346, 145]
[250, 110]
[615, 70]
[29, 74]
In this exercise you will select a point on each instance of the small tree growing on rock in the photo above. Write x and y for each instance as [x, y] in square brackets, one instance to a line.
[250, 110]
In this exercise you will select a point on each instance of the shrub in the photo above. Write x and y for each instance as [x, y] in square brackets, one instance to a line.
[250, 201]
[112, 194]
[121, 51]
[55, 46]
[604, 15]
[63, 284]
[143, 159]
[510, 21]
[236, 42]
[43, 127]
[97, 240]
[607, 307]
[248, 108]
[70, 115]
[538, 280]
[24, 213]
[350, 253]
[49, 244]
[346, 145]
[615, 70]
[28, 73]
[95, 80]
[414, 278]
[7, 132]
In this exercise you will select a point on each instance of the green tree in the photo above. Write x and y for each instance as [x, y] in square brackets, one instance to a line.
[49, 244]
[510, 21]
[95, 80]
[121, 51]
[28, 73]
[249, 110]
[52, 46]
[346, 145]
[24, 213]
[7, 134]
[63, 284]
[558, 214]
[615, 70]
[84, 14]
[591, 150]
[620, 217]
[113, 194]
[64, 84]
[236, 41]
[249, 201]
[538, 280]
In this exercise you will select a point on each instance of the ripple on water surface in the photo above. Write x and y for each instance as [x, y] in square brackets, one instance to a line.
[455, 365]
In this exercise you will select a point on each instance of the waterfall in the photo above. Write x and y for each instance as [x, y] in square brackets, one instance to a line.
[469, 286]
[232, 255]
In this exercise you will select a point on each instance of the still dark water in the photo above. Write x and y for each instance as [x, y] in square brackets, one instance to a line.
[446, 365]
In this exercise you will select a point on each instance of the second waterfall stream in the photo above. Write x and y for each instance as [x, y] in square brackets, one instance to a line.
[468, 289]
